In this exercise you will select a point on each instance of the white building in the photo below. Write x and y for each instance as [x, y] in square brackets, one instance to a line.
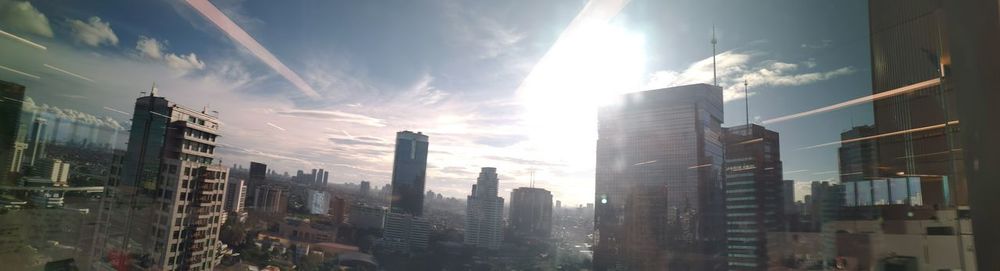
[484, 212]
[236, 196]
[318, 202]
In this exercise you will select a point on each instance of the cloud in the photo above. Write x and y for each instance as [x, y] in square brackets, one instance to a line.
[331, 115]
[822, 44]
[154, 49]
[72, 115]
[501, 141]
[527, 162]
[93, 32]
[22, 16]
[426, 93]
[184, 62]
[149, 47]
[735, 67]
[358, 141]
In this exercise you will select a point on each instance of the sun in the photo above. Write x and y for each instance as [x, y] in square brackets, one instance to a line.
[584, 70]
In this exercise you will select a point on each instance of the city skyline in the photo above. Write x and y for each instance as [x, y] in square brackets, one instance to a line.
[485, 118]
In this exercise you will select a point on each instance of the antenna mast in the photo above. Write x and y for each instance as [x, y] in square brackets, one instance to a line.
[715, 80]
[532, 183]
[746, 100]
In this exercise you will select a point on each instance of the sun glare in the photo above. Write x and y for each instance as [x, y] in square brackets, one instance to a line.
[584, 70]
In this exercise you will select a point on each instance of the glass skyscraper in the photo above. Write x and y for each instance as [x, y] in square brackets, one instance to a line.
[754, 194]
[409, 171]
[659, 181]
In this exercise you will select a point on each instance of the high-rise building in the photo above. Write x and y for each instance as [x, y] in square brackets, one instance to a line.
[339, 209]
[271, 199]
[326, 177]
[484, 212]
[36, 141]
[165, 211]
[11, 95]
[405, 232]
[236, 196]
[366, 217]
[365, 188]
[902, 179]
[257, 177]
[788, 195]
[54, 170]
[258, 172]
[659, 169]
[318, 202]
[409, 172]
[318, 178]
[530, 212]
[754, 194]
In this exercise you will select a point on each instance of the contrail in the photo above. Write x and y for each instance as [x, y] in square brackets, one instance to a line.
[23, 40]
[68, 72]
[276, 126]
[235, 32]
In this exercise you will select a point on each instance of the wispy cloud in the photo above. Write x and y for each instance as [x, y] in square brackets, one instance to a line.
[22, 16]
[239, 35]
[819, 45]
[734, 67]
[153, 49]
[93, 32]
[332, 115]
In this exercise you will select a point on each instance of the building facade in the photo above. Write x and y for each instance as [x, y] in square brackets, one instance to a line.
[271, 199]
[405, 232]
[409, 172]
[484, 212]
[531, 213]
[659, 168]
[318, 202]
[257, 177]
[754, 194]
[236, 196]
[165, 211]
[10, 118]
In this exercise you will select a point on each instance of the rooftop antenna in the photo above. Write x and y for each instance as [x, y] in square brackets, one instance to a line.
[152, 90]
[532, 182]
[715, 80]
[746, 100]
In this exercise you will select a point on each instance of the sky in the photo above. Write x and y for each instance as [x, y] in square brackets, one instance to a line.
[508, 84]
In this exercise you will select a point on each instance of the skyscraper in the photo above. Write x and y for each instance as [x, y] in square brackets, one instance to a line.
[659, 168]
[788, 195]
[484, 212]
[326, 177]
[531, 212]
[754, 194]
[236, 195]
[258, 172]
[258, 176]
[271, 199]
[318, 177]
[409, 170]
[165, 212]
[11, 96]
[909, 53]
[37, 141]
[365, 188]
